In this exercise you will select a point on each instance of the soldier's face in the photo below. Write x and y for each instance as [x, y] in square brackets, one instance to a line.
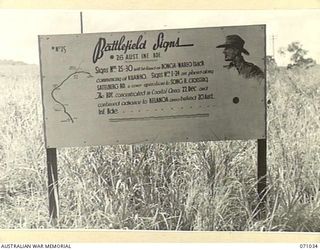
[230, 53]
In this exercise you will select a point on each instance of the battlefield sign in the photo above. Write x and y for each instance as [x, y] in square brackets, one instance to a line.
[154, 86]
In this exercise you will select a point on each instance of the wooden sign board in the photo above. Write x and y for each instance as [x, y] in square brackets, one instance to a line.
[154, 86]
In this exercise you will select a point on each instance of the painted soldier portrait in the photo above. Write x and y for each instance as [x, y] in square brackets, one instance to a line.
[233, 49]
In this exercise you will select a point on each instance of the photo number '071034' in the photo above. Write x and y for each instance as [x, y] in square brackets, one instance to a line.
[309, 245]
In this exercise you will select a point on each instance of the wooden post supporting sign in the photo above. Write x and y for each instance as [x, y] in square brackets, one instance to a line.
[53, 190]
[262, 174]
[262, 152]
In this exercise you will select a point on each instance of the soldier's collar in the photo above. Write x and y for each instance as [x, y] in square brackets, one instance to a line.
[229, 66]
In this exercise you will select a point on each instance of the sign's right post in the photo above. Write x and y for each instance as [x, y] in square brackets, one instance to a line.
[262, 174]
[262, 147]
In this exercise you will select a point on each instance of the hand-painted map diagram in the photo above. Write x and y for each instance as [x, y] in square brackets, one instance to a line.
[63, 94]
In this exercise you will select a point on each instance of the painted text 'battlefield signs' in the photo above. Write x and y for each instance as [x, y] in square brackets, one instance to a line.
[154, 86]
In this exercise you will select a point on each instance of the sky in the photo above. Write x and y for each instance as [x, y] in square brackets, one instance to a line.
[20, 28]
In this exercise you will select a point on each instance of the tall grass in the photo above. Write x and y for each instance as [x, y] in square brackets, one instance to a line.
[177, 186]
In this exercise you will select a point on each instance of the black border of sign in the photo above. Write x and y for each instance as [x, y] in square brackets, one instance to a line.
[42, 93]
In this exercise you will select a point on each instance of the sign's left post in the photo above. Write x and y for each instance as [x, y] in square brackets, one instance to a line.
[53, 189]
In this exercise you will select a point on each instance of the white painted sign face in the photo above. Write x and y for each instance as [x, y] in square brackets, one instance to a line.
[154, 86]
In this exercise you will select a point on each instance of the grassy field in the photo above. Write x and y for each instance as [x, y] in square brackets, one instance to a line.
[178, 186]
